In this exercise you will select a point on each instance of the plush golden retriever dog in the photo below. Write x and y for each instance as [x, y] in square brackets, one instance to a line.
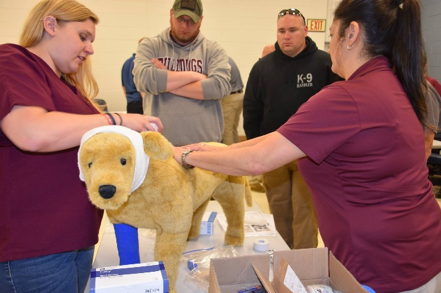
[169, 199]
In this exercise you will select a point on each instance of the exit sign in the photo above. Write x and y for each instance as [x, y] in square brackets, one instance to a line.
[316, 25]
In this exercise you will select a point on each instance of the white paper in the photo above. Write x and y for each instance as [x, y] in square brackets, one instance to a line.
[292, 282]
[256, 224]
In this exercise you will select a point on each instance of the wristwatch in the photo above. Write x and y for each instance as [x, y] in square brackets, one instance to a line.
[184, 155]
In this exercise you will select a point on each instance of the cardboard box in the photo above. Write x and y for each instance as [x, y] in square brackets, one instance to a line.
[207, 224]
[312, 266]
[135, 278]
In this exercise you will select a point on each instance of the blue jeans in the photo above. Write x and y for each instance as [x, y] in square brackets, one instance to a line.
[66, 272]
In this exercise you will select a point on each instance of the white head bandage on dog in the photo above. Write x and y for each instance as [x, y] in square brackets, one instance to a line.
[142, 160]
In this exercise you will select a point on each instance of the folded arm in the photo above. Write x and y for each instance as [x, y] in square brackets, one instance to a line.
[185, 83]
[152, 76]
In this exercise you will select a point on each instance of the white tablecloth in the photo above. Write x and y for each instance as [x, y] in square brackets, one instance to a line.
[108, 256]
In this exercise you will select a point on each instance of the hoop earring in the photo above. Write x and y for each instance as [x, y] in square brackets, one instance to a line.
[349, 47]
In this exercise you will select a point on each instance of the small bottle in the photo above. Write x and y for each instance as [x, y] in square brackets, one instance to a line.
[271, 270]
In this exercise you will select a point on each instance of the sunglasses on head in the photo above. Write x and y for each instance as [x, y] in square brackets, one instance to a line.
[291, 11]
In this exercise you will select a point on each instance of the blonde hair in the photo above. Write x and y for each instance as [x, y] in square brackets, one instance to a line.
[63, 11]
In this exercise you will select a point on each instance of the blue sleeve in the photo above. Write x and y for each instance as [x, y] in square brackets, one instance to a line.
[127, 242]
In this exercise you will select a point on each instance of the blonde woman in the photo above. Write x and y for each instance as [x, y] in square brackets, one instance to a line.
[48, 226]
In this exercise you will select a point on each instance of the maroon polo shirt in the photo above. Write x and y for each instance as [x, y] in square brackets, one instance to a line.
[44, 207]
[368, 178]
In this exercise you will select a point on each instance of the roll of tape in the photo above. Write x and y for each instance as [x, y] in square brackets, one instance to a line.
[261, 245]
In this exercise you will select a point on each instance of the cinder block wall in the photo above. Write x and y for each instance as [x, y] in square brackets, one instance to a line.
[242, 27]
[431, 21]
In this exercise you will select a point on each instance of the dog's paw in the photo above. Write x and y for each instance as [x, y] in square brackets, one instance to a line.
[190, 237]
[234, 240]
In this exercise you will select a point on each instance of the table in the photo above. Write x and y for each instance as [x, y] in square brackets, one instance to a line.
[108, 256]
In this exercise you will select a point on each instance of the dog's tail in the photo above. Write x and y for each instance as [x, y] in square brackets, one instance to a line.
[248, 193]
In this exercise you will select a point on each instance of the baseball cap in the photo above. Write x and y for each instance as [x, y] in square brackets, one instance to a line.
[192, 8]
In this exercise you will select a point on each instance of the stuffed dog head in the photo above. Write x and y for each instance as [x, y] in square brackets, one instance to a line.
[113, 161]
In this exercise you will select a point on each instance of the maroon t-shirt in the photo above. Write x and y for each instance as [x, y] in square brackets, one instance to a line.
[44, 206]
[367, 174]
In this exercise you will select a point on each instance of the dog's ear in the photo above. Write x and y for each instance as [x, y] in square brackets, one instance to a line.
[156, 146]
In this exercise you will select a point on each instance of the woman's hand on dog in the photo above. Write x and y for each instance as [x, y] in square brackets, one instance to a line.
[196, 147]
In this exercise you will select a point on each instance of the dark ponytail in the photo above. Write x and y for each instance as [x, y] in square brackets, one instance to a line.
[391, 28]
[408, 55]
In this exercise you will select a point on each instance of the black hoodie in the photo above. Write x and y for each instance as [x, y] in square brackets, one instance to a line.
[278, 85]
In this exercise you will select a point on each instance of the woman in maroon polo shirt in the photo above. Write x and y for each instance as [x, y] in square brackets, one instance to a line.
[361, 148]
[48, 226]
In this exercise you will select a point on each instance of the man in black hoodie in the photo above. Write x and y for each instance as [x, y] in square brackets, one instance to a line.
[278, 85]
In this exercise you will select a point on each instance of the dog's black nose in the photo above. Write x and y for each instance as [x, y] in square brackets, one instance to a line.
[107, 191]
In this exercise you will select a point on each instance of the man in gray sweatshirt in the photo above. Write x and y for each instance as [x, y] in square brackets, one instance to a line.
[184, 77]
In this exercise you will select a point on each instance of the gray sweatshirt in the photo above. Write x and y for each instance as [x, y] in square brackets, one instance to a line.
[185, 120]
